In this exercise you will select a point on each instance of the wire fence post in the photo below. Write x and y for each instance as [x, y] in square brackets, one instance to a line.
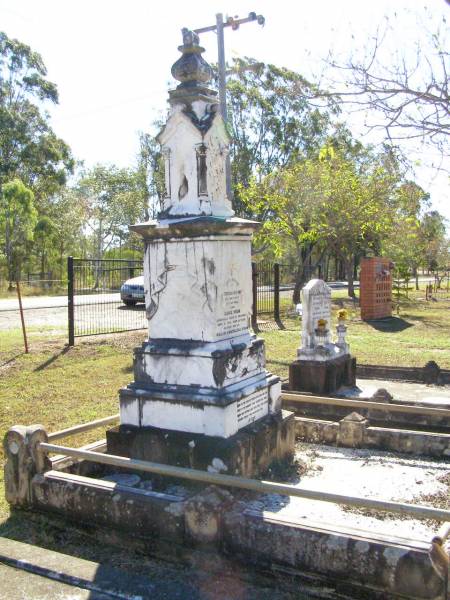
[276, 292]
[70, 302]
[22, 319]
[255, 297]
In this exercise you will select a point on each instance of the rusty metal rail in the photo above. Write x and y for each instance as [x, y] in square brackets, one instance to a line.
[264, 487]
[368, 404]
[58, 435]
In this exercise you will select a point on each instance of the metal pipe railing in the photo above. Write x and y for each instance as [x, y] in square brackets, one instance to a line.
[384, 406]
[58, 435]
[264, 487]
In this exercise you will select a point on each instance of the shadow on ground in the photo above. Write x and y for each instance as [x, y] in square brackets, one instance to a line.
[129, 568]
[52, 359]
[390, 324]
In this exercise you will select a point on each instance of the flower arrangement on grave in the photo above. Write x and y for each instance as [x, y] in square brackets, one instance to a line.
[321, 332]
[342, 315]
[341, 329]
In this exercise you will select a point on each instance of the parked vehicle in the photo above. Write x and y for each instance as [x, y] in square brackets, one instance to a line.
[132, 291]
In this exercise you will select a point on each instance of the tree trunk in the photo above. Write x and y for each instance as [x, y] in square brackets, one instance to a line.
[8, 253]
[348, 264]
[42, 265]
[416, 275]
[99, 254]
[299, 276]
[298, 285]
[61, 268]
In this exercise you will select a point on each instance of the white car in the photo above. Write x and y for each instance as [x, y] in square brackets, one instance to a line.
[132, 291]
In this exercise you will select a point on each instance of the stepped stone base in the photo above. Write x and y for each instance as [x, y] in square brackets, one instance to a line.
[322, 377]
[247, 453]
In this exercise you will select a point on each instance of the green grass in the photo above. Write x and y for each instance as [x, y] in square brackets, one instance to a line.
[26, 289]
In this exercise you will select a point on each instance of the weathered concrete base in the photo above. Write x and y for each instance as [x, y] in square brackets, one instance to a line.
[248, 453]
[396, 566]
[379, 567]
[104, 503]
[353, 431]
[322, 377]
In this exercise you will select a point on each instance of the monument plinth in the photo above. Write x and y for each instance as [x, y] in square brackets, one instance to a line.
[202, 370]
[322, 366]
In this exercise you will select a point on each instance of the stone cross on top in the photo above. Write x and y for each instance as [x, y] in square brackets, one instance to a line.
[194, 141]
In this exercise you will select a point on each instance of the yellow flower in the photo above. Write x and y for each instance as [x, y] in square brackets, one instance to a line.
[342, 314]
[322, 323]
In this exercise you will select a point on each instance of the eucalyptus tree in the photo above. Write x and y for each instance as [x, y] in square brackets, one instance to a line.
[18, 218]
[356, 210]
[286, 202]
[29, 149]
[112, 198]
[272, 122]
[328, 203]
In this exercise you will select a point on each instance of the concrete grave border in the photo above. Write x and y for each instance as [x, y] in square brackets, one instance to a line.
[220, 518]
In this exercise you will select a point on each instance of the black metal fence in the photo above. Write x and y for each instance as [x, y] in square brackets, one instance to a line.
[94, 300]
[95, 305]
[441, 286]
[273, 289]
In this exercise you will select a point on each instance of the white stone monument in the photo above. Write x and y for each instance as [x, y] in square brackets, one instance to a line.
[202, 370]
[316, 340]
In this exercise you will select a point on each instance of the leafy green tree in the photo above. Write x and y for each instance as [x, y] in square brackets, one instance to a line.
[435, 241]
[43, 241]
[150, 171]
[331, 203]
[286, 202]
[69, 215]
[272, 123]
[113, 199]
[405, 244]
[29, 149]
[355, 211]
[18, 217]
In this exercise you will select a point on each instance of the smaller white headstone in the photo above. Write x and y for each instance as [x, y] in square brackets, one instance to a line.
[316, 305]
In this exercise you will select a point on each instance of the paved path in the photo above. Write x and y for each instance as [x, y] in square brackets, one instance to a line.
[405, 391]
[94, 313]
[28, 302]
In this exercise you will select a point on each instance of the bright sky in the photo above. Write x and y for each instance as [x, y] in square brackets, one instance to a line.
[111, 59]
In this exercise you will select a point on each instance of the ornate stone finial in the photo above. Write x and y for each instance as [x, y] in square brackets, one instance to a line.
[191, 68]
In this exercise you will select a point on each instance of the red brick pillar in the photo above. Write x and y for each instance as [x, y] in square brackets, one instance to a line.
[375, 281]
